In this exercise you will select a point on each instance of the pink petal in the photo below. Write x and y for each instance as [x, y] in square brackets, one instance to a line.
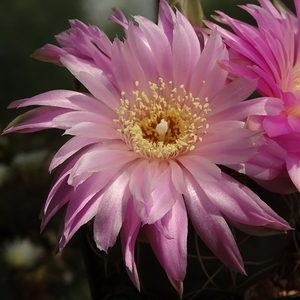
[93, 130]
[56, 201]
[211, 226]
[67, 99]
[236, 201]
[72, 118]
[161, 51]
[185, 44]
[166, 19]
[34, 120]
[177, 176]
[83, 193]
[213, 51]
[128, 233]
[101, 157]
[69, 148]
[49, 53]
[266, 164]
[228, 152]
[200, 167]
[235, 92]
[93, 79]
[171, 252]
[85, 215]
[153, 191]
[111, 212]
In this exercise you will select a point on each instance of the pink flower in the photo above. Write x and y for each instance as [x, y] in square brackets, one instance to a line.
[283, 129]
[147, 141]
[270, 52]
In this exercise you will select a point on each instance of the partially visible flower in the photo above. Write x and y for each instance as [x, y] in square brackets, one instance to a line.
[284, 129]
[21, 253]
[148, 139]
[270, 52]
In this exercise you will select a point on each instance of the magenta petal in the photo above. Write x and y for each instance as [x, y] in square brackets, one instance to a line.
[171, 251]
[294, 122]
[276, 125]
[289, 142]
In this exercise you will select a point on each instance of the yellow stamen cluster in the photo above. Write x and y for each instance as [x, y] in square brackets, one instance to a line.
[163, 122]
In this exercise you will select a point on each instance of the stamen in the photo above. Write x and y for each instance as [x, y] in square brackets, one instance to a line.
[164, 122]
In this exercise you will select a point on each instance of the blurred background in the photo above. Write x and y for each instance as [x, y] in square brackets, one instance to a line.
[29, 268]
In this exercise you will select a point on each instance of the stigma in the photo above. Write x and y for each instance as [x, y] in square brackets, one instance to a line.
[161, 129]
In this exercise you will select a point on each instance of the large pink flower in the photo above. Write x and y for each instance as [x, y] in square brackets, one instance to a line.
[270, 52]
[148, 138]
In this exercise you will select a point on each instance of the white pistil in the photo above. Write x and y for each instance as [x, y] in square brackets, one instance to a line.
[162, 129]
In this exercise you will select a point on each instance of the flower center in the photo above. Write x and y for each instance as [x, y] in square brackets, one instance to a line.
[162, 122]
